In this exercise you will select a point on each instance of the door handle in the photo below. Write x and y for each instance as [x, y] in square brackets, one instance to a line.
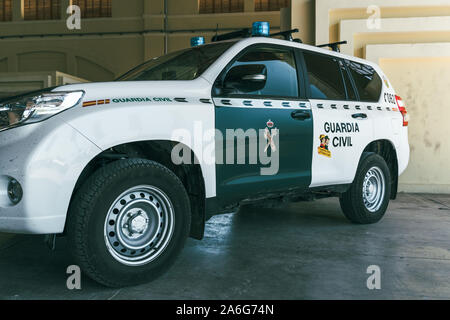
[301, 115]
[359, 116]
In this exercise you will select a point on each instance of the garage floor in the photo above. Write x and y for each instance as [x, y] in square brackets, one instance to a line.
[300, 251]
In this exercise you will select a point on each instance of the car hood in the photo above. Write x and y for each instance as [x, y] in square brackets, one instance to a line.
[198, 88]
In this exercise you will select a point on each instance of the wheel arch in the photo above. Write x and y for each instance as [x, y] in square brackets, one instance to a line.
[191, 175]
[386, 149]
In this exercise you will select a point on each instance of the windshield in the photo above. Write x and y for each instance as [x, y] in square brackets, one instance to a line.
[186, 64]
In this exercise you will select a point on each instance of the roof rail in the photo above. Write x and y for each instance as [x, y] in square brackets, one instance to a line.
[334, 45]
[287, 35]
[247, 33]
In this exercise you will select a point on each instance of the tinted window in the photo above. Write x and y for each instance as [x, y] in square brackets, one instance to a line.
[325, 78]
[351, 95]
[367, 81]
[186, 64]
[280, 71]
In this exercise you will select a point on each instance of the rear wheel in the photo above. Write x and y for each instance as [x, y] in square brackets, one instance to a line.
[368, 197]
[128, 222]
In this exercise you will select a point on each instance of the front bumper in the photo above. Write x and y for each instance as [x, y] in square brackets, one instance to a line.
[46, 159]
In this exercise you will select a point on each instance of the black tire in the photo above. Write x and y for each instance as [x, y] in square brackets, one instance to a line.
[92, 205]
[352, 201]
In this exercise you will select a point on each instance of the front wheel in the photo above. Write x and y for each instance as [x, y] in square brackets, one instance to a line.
[368, 197]
[128, 222]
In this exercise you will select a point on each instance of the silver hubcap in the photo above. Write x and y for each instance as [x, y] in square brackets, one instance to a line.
[373, 189]
[139, 225]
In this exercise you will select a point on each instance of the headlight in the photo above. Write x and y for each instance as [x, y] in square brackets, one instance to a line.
[35, 108]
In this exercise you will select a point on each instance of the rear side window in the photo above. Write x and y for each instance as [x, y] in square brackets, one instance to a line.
[325, 78]
[368, 82]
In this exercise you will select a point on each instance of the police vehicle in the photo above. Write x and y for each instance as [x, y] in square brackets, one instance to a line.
[128, 169]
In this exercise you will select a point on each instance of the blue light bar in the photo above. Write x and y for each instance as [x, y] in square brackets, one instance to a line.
[261, 29]
[197, 41]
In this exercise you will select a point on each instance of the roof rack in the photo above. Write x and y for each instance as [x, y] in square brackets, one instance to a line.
[247, 33]
[287, 35]
[334, 45]
[243, 33]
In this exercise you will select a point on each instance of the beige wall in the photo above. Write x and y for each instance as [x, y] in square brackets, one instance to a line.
[412, 46]
[303, 18]
[427, 102]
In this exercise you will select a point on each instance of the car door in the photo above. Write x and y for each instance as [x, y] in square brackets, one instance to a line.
[259, 109]
[343, 126]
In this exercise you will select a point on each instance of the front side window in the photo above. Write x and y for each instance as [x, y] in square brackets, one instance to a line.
[268, 72]
[325, 78]
[367, 81]
[186, 64]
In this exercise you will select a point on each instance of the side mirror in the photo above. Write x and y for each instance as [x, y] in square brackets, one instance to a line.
[245, 78]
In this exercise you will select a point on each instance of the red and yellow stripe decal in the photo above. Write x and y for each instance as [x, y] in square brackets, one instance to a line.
[96, 103]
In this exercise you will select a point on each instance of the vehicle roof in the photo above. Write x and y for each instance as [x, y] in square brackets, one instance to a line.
[211, 73]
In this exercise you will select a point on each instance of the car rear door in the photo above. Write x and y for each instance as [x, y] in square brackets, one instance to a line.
[278, 114]
[343, 126]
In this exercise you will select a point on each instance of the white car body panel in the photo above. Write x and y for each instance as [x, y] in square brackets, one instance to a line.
[47, 171]
[341, 167]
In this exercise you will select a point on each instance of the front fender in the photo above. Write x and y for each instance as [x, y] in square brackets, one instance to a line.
[46, 159]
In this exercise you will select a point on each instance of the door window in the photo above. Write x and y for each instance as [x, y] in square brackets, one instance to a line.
[325, 78]
[265, 72]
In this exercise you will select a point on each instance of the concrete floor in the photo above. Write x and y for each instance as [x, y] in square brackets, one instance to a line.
[300, 251]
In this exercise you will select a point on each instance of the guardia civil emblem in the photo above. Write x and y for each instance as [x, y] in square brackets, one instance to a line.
[269, 134]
